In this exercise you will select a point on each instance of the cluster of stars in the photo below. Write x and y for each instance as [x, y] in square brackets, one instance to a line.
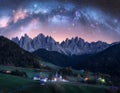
[54, 17]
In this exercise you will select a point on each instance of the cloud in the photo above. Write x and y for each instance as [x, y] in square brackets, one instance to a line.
[19, 14]
[4, 21]
[33, 25]
[59, 20]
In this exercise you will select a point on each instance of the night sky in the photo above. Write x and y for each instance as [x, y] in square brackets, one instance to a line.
[91, 20]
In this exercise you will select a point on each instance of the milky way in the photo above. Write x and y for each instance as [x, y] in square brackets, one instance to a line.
[61, 19]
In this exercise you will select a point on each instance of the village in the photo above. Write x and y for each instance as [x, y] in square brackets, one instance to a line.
[59, 78]
[65, 75]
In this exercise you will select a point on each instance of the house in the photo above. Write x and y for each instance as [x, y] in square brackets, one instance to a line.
[41, 79]
[36, 78]
[58, 78]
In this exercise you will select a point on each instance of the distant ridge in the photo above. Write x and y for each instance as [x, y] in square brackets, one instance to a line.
[107, 61]
[74, 46]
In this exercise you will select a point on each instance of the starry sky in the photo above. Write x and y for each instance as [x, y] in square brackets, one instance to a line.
[91, 20]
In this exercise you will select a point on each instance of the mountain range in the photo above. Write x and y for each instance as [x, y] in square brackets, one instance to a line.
[74, 46]
[106, 61]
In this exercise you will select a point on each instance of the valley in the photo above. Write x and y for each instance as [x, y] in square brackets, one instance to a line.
[16, 84]
[59, 46]
[57, 72]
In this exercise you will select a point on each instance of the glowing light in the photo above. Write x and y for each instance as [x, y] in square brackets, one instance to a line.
[55, 79]
[102, 80]
[8, 72]
[86, 79]
[44, 79]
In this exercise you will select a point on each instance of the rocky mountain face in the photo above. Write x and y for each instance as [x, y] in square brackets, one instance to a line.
[78, 46]
[74, 46]
[38, 42]
[107, 61]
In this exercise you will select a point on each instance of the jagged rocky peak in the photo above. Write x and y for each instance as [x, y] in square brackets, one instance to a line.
[76, 39]
[25, 36]
[25, 42]
[16, 40]
[25, 39]
[43, 39]
[73, 42]
[73, 46]
[40, 36]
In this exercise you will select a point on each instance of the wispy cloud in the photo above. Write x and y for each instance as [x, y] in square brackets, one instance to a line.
[19, 14]
[4, 21]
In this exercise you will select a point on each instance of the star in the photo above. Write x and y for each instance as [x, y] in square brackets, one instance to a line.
[35, 5]
[60, 16]
[115, 21]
